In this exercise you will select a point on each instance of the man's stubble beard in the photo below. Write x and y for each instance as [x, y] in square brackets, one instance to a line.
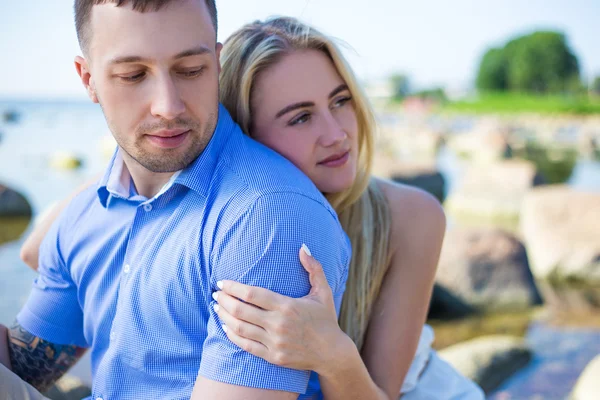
[170, 160]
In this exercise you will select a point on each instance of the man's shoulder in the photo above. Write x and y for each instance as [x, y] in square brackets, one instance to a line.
[263, 173]
[81, 204]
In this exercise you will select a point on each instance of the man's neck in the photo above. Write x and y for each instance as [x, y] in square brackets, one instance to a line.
[147, 183]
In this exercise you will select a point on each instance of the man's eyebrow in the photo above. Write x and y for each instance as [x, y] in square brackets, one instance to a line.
[293, 107]
[200, 50]
[338, 89]
[197, 51]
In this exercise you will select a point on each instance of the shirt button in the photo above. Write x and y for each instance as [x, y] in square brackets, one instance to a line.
[147, 207]
[126, 268]
[113, 335]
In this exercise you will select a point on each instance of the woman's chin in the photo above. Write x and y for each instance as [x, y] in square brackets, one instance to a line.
[335, 187]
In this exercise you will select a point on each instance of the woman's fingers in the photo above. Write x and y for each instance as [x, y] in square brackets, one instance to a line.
[318, 281]
[241, 328]
[240, 310]
[258, 296]
[252, 347]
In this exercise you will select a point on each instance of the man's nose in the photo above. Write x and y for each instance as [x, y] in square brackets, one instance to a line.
[167, 102]
[332, 131]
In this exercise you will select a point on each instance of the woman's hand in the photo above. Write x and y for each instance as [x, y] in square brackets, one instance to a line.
[298, 333]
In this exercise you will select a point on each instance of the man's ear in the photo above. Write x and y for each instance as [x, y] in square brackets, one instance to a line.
[218, 52]
[83, 70]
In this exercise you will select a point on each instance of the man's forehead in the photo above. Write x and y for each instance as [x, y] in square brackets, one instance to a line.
[174, 29]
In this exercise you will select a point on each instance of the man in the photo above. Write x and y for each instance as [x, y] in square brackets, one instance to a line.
[186, 202]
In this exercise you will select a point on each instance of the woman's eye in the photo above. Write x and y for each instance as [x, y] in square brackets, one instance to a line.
[302, 118]
[341, 101]
[134, 78]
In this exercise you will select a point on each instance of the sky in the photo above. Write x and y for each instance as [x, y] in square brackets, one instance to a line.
[434, 42]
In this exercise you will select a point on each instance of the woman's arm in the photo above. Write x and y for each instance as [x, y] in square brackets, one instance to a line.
[417, 233]
[297, 333]
[31, 247]
[301, 333]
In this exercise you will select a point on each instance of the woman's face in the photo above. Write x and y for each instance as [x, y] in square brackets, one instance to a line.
[303, 110]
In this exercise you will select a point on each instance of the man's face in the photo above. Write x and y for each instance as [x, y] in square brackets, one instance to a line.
[155, 75]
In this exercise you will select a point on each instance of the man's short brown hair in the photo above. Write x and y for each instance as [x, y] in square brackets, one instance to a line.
[83, 12]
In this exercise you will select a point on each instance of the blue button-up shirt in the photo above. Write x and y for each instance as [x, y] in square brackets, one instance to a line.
[132, 277]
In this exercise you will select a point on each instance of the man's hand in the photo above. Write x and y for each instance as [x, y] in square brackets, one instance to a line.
[36, 361]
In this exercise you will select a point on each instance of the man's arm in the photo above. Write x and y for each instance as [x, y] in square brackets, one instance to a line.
[4, 358]
[36, 361]
[260, 248]
[209, 389]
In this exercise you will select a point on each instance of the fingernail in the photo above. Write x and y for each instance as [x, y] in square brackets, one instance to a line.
[216, 308]
[215, 296]
[306, 250]
[220, 285]
[225, 328]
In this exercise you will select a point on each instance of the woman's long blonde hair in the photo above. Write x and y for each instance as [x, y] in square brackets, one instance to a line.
[362, 209]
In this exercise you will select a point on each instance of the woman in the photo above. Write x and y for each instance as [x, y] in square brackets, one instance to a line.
[288, 86]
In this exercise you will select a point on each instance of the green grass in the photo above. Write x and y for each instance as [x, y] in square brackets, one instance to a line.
[519, 103]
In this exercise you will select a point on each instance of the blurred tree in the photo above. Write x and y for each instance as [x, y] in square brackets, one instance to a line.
[541, 62]
[400, 86]
[493, 71]
[596, 86]
[435, 94]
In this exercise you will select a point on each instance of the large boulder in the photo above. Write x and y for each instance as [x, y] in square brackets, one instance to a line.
[487, 269]
[488, 360]
[493, 192]
[422, 175]
[15, 214]
[588, 384]
[561, 229]
[13, 204]
[446, 306]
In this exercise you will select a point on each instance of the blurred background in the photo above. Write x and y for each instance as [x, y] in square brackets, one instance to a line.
[492, 106]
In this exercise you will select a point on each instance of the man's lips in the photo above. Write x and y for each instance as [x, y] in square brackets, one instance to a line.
[169, 139]
[336, 160]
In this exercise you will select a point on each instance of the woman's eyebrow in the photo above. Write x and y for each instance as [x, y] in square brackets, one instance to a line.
[293, 107]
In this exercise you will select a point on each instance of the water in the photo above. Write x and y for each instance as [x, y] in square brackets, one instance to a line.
[46, 128]
[560, 355]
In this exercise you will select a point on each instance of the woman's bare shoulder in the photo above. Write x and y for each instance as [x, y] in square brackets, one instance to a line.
[414, 212]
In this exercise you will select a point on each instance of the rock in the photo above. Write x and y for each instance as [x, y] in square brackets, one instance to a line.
[487, 269]
[488, 360]
[493, 192]
[10, 116]
[444, 305]
[422, 175]
[68, 388]
[13, 204]
[65, 161]
[588, 384]
[561, 229]
[589, 144]
[570, 300]
[489, 141]
[555, 163]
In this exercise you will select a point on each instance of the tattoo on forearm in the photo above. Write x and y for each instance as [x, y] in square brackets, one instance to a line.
[38, 362]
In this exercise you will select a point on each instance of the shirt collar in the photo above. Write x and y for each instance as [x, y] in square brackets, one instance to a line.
[196, 176]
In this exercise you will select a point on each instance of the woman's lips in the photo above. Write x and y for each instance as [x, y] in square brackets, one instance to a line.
[337, 161]
[169, 142]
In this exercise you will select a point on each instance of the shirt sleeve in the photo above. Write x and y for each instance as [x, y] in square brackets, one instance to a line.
[261, 249]
[52, 311]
